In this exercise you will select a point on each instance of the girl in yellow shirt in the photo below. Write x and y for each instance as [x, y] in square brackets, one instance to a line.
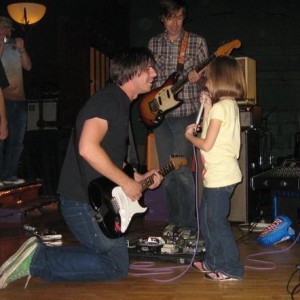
[219, 145]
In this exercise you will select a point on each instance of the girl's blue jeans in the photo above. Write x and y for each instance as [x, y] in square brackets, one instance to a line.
[222, 253]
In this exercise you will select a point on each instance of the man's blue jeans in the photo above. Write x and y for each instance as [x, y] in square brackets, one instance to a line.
[222, 253]
[97, 258]
[179, 184]
[11, 148]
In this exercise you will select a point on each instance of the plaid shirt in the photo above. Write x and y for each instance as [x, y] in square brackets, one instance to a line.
[166, 56]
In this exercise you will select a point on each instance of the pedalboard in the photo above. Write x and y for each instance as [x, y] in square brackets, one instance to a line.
[171, 249]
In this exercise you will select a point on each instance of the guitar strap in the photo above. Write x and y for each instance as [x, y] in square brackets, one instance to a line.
[182, 51]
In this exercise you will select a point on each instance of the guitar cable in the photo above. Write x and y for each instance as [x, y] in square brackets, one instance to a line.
[148, 269]
[148, 266]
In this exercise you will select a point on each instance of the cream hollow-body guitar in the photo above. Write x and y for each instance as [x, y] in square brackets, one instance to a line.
[154, 105]
[114, 210]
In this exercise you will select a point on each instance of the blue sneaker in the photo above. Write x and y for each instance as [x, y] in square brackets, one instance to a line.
[277, 232]
[19, 267]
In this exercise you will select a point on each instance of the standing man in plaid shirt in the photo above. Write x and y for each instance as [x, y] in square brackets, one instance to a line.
[169, 135]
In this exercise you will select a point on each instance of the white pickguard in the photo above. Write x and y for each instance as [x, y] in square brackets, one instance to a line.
[166, 99]
[127, 208]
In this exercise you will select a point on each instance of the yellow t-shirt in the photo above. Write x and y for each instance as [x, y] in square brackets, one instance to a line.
[221, 166]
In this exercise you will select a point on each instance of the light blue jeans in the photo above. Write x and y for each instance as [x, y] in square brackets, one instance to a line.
[222, 253]
[179, 184]
[97, 258]
[11, 148]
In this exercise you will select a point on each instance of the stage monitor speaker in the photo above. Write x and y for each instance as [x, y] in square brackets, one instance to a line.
[33, 116]
[244, 200]
[249, 67]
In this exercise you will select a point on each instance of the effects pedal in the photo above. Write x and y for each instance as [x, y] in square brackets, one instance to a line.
[152, 245]
[193, 245]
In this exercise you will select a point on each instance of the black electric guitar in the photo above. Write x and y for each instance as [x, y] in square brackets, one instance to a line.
[154, 105]
[114, 210]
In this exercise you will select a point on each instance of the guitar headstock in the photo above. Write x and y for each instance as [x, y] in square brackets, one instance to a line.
[228, 47]
[178, 161]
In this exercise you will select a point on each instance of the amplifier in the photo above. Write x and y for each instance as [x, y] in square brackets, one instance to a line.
[250, 115]
[48, 109]
[249, 68]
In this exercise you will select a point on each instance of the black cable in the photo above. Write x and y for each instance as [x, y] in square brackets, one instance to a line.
[294, 290]
[250, 230]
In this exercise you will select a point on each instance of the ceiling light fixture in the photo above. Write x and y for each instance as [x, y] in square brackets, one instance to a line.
[26, 13]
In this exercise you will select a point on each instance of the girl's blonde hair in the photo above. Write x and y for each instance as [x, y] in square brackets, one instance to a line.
[225, 78]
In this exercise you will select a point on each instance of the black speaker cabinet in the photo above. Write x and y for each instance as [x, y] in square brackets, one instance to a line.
[43, 155]
[244, 201]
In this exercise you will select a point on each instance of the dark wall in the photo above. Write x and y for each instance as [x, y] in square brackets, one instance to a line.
[270, 34]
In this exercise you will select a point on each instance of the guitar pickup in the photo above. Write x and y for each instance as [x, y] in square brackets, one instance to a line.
[153, 105]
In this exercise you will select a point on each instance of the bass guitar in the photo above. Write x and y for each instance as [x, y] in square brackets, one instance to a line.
[154, 105]
[113, 209]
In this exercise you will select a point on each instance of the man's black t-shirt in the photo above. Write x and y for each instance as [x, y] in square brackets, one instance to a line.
[112, 105]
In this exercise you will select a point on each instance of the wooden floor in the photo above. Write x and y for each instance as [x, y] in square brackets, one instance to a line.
[181, 283]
